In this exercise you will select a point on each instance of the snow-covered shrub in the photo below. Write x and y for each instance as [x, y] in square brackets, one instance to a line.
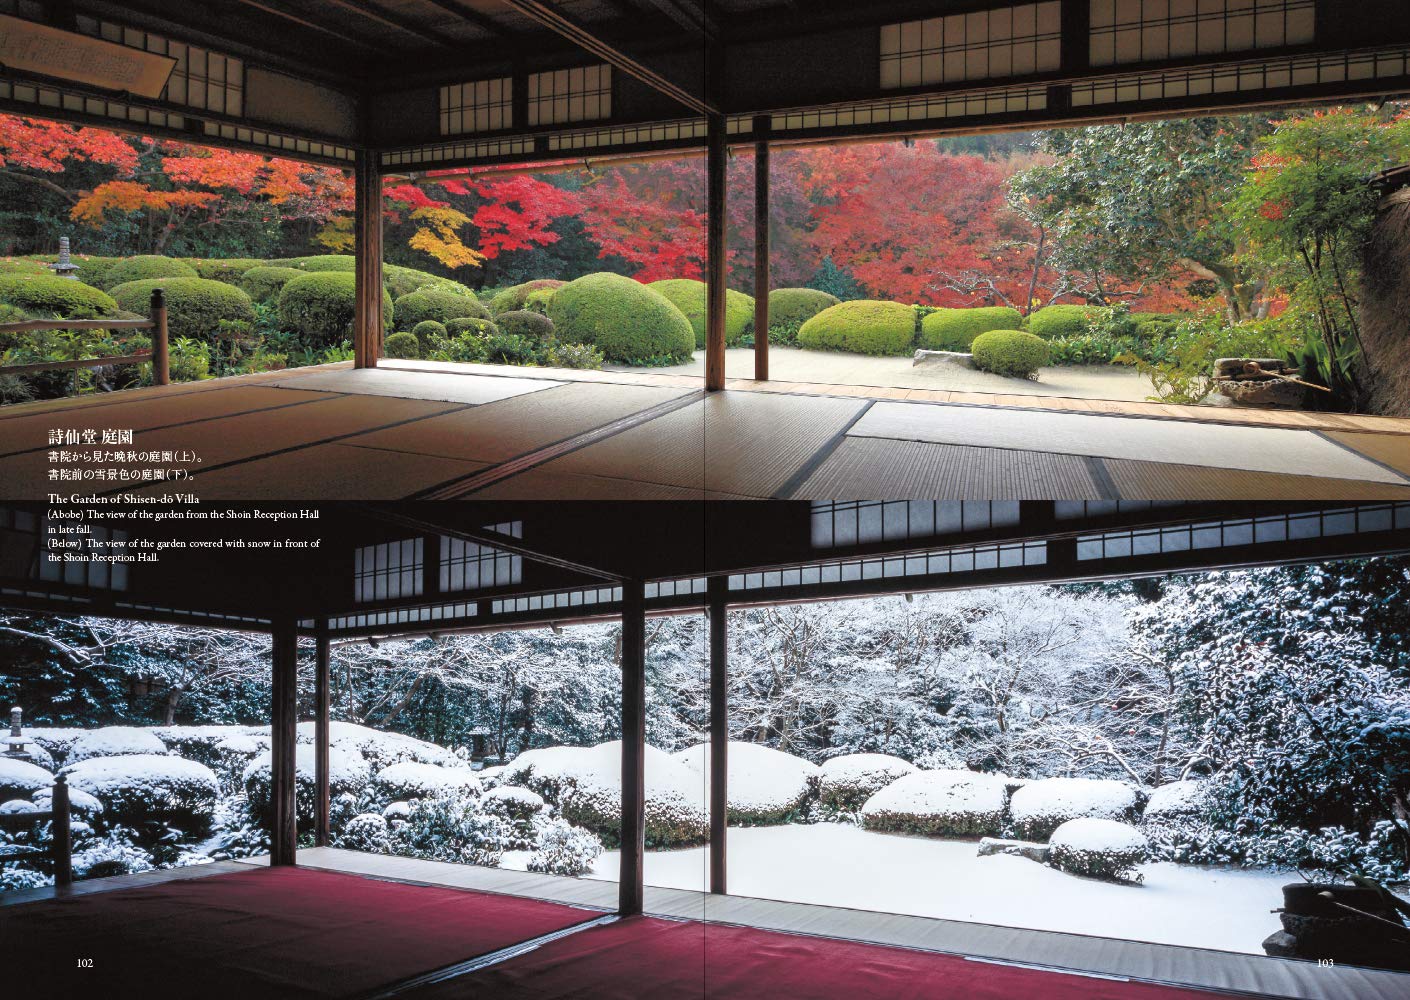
[143, 788]
[113, 855]
[53, 740]
[12, 878]
[365, 832]
[380, 749]
[848, 781]
[451, 826]
[80, 802]
[347, 773]
[766, 787]
[490, 777]
[412, 780]
[1040, 807]
[1098, 848]
[563, 849]
[586, 785]
[229, 756]
[513, 803]
[115, 741]
[238, 834]
[394, 812]
[938, 804]
[196, 743]
[20, 779]
[1177, 799]
[15, 807]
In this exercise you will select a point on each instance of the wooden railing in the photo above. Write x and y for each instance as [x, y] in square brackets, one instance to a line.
[159, 355]
[60, 849]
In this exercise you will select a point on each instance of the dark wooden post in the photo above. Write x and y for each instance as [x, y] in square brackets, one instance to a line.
[61, 833]
[715, 274]
[161, 356]
[321, 685]
[761, 247]
[284, 738]
[719, 730]
[630, 889]
[367, 250]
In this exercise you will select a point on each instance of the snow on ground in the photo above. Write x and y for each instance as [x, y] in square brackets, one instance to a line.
[839, 865]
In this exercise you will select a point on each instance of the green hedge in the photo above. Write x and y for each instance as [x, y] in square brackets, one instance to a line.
[798, 305]
[401, 345]
[428, 333]
[438, 304]
[1010, 352]
[227, 269]
[1063, 321]
[44, 295]
[862, 327]
[144, 267]
[1152, 327]
[688, 295]
[477, 325]
[263, 284]
[522, 323]
[516, 297]
[320, 307]
[624, 319]
[194, 306]
[398, 280]
[955, 329]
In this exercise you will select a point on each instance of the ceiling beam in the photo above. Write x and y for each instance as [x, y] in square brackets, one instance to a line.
[466, 13]
[546, 15]
[395, 21]
[268, 8]
[688, 15]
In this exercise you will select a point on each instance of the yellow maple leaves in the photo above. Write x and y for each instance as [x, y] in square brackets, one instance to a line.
[439, 237]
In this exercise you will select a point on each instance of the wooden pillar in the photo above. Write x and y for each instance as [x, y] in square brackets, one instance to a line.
[761, 247]
[61, 832]
[630, 889]
[719, 730]
[716, 160]
[284, 737]
[321, 688]
[161, 343]
[367, 251]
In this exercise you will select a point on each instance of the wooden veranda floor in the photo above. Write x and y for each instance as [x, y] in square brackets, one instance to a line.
[1226, 972]
[424, 430]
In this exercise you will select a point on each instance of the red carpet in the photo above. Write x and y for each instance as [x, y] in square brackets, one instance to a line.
[665, 960]
[265, 933]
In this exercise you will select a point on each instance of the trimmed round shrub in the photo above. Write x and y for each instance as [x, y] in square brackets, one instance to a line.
[410, 779]
[1010, 352]
[91, 270]
[955, 329]
[437, 304]
[477, 326]
[347, 773]
[428, 333]
[1152, 327]
[194, 306]
[402, 345]
[115, 741]
[44, 295]
[945, 803]
[798, 305]
[228, 270]
[517, 804]
[381, 749]
[516, 297]
[24, 265]
[405, 280]
[625, 320]
[320, 307]
[862, 327]
[320, 263]
[263, 284]
[563, 849]
[586, 785]
[365, 832]
[847, 782]
[688, 295]
[766, 787]
[1099, 848]
[1040, 807]
[1177, 800]
[522, 323]
[1063, 321]
[21, 779]
[144, 267]
[145, 788]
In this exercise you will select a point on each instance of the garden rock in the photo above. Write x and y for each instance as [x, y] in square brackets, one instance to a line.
[957, 359]
[989, 846]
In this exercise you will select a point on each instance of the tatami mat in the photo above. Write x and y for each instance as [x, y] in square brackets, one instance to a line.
[417, 385]
[499, 431]
[1388, 449]
[31, 432]
[881, 469]
[1253, 449]
[233, 439]
[742, 444]
[1164, 481]
[328, 471]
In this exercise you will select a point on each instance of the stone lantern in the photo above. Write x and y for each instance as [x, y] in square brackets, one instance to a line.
[15, 742]
[65, 268]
